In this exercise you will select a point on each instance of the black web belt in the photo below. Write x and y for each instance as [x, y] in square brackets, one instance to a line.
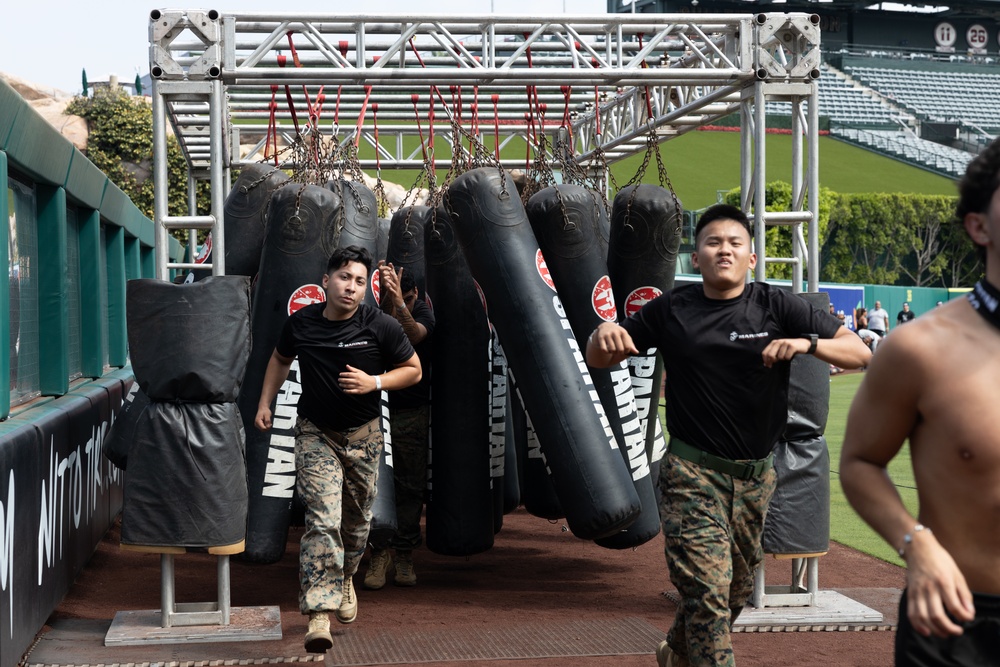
[747, 470]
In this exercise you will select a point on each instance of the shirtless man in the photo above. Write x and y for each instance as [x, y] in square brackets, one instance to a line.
[936, 382]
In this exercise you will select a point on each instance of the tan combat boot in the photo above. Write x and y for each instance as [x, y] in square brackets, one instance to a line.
[348, 603]
[318, 638]
[405, 576]
[377, 569]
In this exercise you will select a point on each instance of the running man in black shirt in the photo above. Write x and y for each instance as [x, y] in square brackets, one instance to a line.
[348, 352]
[726, 347]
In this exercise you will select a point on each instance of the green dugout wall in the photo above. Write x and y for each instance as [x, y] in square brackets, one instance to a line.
[72, 240]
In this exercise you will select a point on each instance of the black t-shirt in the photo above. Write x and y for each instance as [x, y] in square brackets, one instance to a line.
[720, 396]
[420, 393]
[370, 341]
[905, 316]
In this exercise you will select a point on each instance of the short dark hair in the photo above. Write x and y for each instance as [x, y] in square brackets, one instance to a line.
[351, 253]
[721, 212]
[407, 282]
[981, 180]
[976, 187]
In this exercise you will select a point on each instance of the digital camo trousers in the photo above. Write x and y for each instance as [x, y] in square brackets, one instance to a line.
[712, 526]
[336, 484]
[409, 474]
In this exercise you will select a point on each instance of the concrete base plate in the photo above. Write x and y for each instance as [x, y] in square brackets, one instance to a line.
[136, 628]
[831, 609]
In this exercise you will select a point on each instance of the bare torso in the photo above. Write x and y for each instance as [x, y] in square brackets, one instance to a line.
[955, 442]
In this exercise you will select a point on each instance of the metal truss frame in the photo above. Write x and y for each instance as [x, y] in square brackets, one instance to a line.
[222, 81]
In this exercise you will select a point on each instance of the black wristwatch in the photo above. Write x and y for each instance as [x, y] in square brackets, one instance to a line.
[813, 339]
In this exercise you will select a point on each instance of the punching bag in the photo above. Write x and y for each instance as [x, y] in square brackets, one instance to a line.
[245, 212]
[300, 231]
[498, 428]
[642, 259]
[798, 518]
[460, 504]
[511, 464]
[537, 492]
[565, 220]
[406, 240]
[590, 478]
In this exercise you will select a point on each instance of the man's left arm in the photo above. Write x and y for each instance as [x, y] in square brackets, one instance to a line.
[356, 381]
[844, 350]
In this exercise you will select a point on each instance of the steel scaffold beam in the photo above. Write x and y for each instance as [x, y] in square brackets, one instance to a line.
[607, 81]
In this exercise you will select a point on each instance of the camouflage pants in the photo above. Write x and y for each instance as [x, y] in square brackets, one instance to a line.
[409, 474]
[336, 484]
[712, 526]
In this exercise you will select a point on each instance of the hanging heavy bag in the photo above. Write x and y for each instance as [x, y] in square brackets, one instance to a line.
[565, 220]
[460, 503]
[406, 240]
[537, 491]
[498, 429]
[301, 227]
[590, 478]
[798, 518]
[642, 259]
[245, 214]
[357, 223]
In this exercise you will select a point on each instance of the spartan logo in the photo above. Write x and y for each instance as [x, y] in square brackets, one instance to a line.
[305, 296]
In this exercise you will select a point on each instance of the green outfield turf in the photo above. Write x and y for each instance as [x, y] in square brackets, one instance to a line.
[701, 164]
[845, 525]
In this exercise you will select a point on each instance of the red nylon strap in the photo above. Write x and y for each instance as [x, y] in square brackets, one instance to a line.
[361, 116]
[496, 125]
[649, 104]
[272, 126]
[420, 129]
[597, 110]
[430, 138]
[378, 159]
[288, 97]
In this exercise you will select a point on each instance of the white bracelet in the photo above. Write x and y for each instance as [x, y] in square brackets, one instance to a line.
[378, 383]
[908, 538]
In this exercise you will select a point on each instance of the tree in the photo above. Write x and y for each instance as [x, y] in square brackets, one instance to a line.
[778, 239]
[121, 145]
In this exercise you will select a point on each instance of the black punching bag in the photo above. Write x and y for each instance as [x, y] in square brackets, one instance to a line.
[245, 214]
[642, 259]
[590, 478]
[406, 240]
[301, 224]
[499, 431]
[565, 221]
[798, 518]
[537, 492]
[460, 503]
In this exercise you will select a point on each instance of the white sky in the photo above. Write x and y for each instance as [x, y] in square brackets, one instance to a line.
[49, 42]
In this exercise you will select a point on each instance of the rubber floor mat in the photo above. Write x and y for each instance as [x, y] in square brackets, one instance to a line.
[621, 636]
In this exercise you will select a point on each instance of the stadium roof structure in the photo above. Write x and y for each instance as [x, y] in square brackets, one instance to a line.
[606, 85]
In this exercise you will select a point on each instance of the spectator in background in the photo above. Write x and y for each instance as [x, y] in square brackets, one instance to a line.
[905, 315]
[870, 338]
[878, 320]
[861, 318]
[409, 412]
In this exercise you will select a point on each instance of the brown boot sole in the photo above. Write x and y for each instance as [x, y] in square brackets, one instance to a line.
[320, 643]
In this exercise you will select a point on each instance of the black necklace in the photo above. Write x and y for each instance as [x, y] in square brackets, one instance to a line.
[985, 298]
